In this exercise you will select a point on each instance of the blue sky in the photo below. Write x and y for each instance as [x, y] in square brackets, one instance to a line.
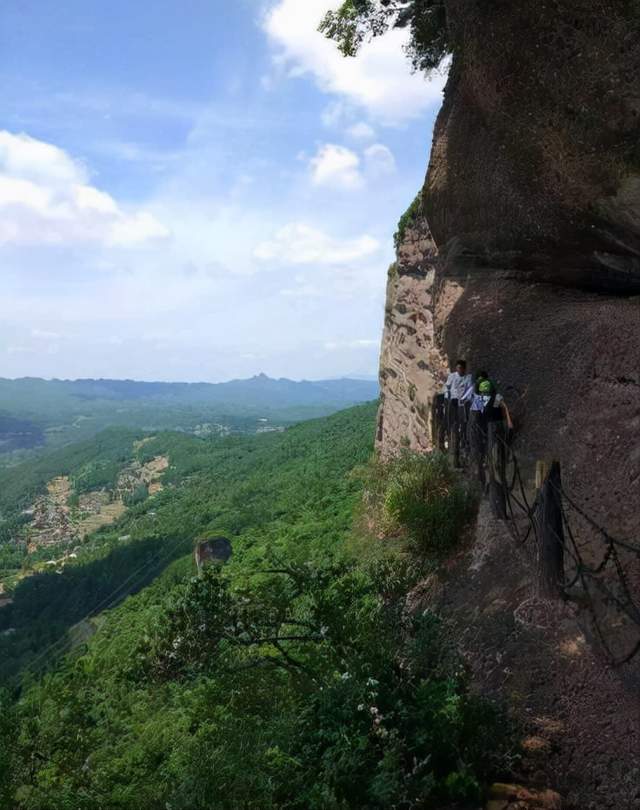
[199, 190]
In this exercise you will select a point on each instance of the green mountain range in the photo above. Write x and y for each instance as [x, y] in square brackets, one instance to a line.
[36, 412]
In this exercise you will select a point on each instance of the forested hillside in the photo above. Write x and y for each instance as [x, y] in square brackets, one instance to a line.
[294, 676]
[36, 412]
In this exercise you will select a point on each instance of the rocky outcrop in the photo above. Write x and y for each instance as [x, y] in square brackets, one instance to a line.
[525, 260]
[410, 366]
[213, 550]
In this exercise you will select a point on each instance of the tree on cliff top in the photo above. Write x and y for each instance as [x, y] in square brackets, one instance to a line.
[357, 21]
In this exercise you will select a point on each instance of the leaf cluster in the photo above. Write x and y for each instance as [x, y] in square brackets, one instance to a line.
[357, 21]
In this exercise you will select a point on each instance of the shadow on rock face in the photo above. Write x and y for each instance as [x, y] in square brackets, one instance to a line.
[568, 364]
[535, 165]
[212, 550]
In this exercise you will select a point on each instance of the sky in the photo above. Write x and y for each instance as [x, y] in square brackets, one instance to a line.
[198, 189]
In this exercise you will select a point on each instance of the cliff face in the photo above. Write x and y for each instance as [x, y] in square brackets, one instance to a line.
[411, 364]
[536, 156]
[525, 258]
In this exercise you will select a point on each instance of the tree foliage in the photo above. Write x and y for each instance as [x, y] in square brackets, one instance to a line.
[292, 677]
[357, 21]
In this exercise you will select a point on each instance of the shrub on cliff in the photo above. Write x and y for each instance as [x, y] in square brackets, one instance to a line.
[425, 499]
[407, 219]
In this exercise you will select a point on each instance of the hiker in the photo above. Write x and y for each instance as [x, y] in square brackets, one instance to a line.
[456, 389]
[488, 418]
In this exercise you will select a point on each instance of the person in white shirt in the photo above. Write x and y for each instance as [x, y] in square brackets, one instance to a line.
[456, 389]
[458, 382]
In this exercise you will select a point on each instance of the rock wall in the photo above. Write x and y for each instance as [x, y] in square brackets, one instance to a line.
[525, 257]
[536, 155]
[410, 364]
[525, 260]
[567, 361]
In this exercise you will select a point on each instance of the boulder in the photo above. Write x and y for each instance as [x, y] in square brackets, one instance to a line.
[212, 550]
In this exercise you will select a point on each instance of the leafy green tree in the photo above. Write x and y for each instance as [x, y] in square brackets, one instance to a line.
[357, 21]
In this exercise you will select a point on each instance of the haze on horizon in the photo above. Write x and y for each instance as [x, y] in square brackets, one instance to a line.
[202, 193]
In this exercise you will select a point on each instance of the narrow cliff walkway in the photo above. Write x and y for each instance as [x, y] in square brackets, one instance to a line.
[580, 721]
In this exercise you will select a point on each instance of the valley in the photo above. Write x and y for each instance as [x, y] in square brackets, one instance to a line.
[287, 651]
[64, 517]
[38, 414]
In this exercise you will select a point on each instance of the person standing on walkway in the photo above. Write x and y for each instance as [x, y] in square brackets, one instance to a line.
[456, 389]
[489, 421]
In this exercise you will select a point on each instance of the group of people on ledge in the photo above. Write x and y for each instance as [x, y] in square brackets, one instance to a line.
[476, 416]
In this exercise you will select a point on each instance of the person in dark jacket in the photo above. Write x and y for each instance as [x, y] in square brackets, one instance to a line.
[489, 423]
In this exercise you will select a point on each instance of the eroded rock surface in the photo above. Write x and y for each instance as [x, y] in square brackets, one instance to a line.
[515, 797]
[411, 366]
[535, 163]
[530, 223]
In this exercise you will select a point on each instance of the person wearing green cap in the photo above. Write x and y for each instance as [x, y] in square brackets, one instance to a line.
[487, 417]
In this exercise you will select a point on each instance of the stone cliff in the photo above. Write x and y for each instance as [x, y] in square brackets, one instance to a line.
[524, 256]
[536, 155]
[411, 363]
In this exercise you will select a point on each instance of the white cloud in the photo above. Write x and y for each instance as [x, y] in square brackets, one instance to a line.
[361, 131]
[298, 243]
[379, 160]
[338, 345]
[30, 159]
[336, 167]
[42, 334]
[46, 198]
[335, 114]
[378, 80]
[137, 228]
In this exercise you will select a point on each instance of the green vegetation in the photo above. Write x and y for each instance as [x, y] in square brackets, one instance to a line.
[59, 412]
[356, 21]
[407, 219]
[424, 499]
[91, 464]
[292, 677]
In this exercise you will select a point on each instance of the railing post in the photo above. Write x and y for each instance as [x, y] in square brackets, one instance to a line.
[437, 422]
[496, 457]
[551, 540]
[541, 474]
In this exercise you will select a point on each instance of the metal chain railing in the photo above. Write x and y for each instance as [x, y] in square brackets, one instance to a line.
[566, 538]
[604, 583]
